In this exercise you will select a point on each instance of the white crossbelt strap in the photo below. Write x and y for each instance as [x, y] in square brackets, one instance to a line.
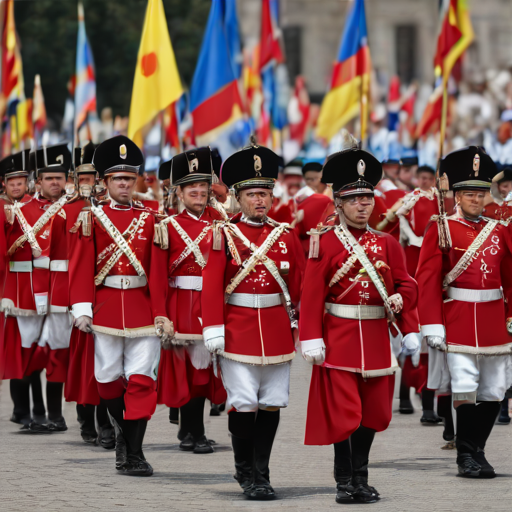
[123, 246]
[470, 253]
[352, 245]
[355, 312]
[467, 295]
[255, 300]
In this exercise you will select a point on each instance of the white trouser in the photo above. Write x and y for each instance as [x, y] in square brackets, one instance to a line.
[478, 378]
[115, 356]
[53, 329]
[250, 388]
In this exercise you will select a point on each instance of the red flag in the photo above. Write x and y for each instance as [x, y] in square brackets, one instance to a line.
[298, 111]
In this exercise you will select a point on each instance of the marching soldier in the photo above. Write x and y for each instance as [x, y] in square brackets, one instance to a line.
[81, 386]
[255, 266]
[460, 287]
[14, 172]
[185, 376]
[38, 327]
[110, 296]
[356, 282]
[311, 202]
[501, 207]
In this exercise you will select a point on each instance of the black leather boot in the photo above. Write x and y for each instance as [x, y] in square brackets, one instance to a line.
[20, 395]
[504, 418]
[343, 471]
[38, 408]
[241, 427]
[54, 401]
[429, 417]
[85, 417]
[264, 433]
[136, 464]
[106, 432]
[115, 407]
[486, 413]
[467, 466]
[405, 406]
[361, 441]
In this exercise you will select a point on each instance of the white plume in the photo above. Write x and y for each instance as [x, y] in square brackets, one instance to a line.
[348, 141]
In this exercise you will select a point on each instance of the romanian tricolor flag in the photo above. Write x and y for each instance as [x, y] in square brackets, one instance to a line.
[350, 77]
[85, 82]
[215, 100]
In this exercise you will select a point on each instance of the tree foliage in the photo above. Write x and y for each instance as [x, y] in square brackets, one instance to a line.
[48, 34]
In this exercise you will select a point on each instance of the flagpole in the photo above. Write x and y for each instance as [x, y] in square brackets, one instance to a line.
[444, 117]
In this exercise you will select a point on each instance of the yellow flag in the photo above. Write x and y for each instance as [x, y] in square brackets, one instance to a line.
[157, 82]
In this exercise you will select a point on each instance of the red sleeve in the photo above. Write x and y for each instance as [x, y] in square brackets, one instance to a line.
[158, 280]
[506, 274]
[404, 284]
[298, 265]
[311, 323]
[3, 247]
[429, 276]
[82, 264]
[212, 296]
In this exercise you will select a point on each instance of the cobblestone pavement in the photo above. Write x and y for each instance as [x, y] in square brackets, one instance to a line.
[58, 472]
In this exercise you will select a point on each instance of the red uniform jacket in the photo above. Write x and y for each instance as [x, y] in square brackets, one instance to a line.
[313, 208]
[120, 312]
[471, 327]
[254, 336]
[353, 345]
[499, 212]
[282, 212]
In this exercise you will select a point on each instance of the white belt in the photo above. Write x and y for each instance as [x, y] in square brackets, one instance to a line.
[255, 300]
[355, 312]
[186, 282]
[125, 282]
[59, 265]
[466, 295]
[43, 262]
[20, 266]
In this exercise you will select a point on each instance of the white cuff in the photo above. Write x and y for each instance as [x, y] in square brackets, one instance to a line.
[312, 344]
[433, 330]
[81, 309]
[216, 331]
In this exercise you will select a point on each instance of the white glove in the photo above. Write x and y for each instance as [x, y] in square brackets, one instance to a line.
[313, 351]
[438, 342]
[84, 323]
[214, 339]
[411, 346]
[509, 325]
[165, 331]
[396, 302]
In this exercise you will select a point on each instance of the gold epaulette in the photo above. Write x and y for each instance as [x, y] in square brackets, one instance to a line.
[9, 213]
[85, 220]
[161, 237]
[217, 227]
[314, 240]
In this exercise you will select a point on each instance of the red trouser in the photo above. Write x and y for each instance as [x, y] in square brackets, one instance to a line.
[341, 401]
